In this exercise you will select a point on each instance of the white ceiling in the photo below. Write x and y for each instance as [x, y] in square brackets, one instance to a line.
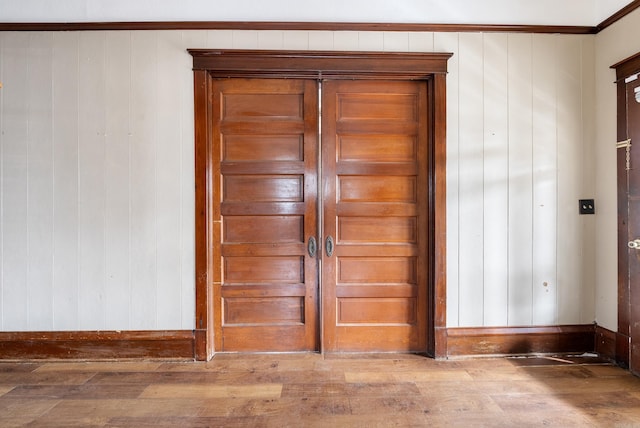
[520, 12]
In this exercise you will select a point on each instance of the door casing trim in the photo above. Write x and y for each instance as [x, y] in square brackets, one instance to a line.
[623, 337]
[429, 67]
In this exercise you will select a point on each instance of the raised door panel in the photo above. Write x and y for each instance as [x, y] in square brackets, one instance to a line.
[266, 140]
[375, 191]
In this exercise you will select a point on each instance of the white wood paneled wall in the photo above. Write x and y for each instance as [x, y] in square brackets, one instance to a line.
[613, 44]
[96, 145]
[520, 136]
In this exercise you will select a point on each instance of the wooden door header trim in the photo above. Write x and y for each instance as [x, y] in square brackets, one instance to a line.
[627, 67]
[317, 64]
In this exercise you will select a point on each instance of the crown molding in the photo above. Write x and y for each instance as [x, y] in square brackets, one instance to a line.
[618, 15]
[282, 26]
[317, 26]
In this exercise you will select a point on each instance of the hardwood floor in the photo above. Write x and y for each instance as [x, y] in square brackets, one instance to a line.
[285, 390]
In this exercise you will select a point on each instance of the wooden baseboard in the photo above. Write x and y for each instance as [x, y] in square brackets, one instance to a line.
[613, 346]
[181, 344]
[605, 343]
[478, 341]
[98, 345]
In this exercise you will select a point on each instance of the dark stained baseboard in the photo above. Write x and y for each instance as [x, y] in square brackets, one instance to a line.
[181, 344]
[97, 345]
[483, 341]
[606, 343]
[613, 346]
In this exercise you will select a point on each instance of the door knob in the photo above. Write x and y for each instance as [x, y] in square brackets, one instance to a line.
[328, 246]
[634, 244]
[312, 247]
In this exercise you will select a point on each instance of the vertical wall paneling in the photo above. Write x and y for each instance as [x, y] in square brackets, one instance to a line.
[346, 41]
[570, 242]
[213, 39]
[91, 93]
[96, 174]
[295, 40]
[245, 39]
[144, 146]
[65, 180]
[588, 142]
[371, 40]
[496, 179]
[470, 162]
[15, 164]
[117, 180]
[448, 42]
[270, 40]
[168, 186]
[187, 235]
[545, 180]
[321, 40]
[616, 43]
[421, 42]
[520, 180]
[396, 41]
[40, 179]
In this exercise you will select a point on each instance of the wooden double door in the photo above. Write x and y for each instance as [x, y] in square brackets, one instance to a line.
[322, 201]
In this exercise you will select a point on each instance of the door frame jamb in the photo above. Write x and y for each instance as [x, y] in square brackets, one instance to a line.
[214, 63]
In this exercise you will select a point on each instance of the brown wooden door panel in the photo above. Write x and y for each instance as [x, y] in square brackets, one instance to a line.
[264, 229]
[375, 105]
[375, 270]
[263, 269]
[377, 310]
[264, 310]
[242, 107]
[266, 141]
[377, 229]
[375, 192]
[260, 148]
[373, 205]
[263, 188]
[389, 338]
[277, 338]
[376, 188]
[376, 148]
[633, 224]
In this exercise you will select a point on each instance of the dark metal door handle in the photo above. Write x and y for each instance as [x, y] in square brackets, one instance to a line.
[312, 247]
[328, 245]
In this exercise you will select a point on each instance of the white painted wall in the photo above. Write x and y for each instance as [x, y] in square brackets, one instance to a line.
[96, 148]
[96, 174]
[520, 126]
[565, 12]
[613, 45]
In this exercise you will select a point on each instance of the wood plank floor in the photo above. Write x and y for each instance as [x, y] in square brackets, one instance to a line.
[310, 390]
